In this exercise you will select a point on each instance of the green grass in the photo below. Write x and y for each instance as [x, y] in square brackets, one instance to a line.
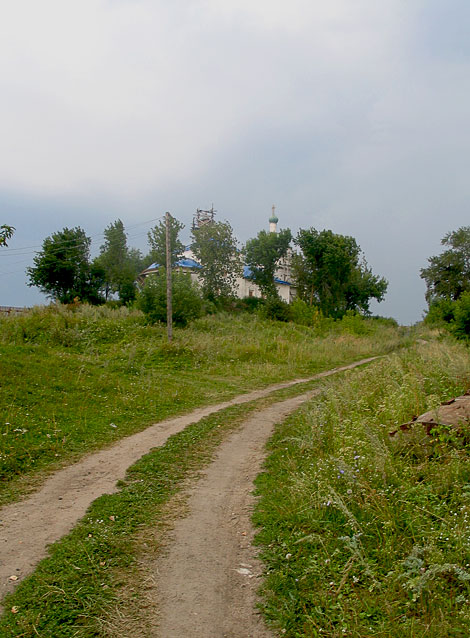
[82, 589]
[363, 535]
[75, 380]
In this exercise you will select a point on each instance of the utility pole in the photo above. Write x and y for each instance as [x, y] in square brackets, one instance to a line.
[169, 305]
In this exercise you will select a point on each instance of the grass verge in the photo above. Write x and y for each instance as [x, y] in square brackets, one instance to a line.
[363, 535]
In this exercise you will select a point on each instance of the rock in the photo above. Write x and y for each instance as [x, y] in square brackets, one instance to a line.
[454, 413]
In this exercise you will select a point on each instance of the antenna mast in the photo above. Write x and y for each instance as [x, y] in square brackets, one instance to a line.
[203, 217]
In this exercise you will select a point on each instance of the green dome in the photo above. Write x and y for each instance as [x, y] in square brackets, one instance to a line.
[273, 219]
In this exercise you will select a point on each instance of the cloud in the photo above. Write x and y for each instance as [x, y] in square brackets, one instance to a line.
[135, 95]
[346, 115]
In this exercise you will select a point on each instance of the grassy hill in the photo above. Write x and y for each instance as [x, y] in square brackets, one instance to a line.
[361, 535]
[76, 379]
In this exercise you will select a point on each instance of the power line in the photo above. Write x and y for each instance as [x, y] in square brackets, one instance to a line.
[11, 272]
[30, 250]
[69, 243]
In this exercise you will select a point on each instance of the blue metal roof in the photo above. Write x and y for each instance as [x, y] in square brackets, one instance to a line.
[190, 263]
[247, 274]
[182, 263]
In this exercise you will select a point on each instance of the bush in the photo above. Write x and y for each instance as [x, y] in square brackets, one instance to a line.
[233, 305]
[275, 308]
[187, 301]
[302, 313]
[354, 324]
[384, 321]
[461, 324]
[251, 304]
[453, 315]
[441, 311]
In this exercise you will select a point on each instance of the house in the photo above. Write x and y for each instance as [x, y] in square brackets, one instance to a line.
[244, 286]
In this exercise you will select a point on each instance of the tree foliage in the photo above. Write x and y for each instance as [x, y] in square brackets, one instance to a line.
[186, 300]
[6, 232]
[120, 264]
[62, 269]
[332, 274]
[157, 241]
[262, 255]
[448, 274]
[215, 247]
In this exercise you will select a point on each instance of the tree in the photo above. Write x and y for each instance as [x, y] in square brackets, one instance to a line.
[120, 264]
[262, 255]
[62, 269]
[157, 241]
[215, 248]
[448, 274]
[332, 274]
[186, 302]
[6, 232]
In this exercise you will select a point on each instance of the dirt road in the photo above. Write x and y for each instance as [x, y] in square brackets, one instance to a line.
[208, 580]
[26, 528]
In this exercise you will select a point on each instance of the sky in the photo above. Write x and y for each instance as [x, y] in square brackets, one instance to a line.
[349, 115]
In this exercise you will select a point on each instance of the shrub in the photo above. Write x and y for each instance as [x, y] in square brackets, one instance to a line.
[187, 300]
[354, 324]
[302, 313]
[461, 324]
[275, 308]
[252, 304]
[384, 321]
[441, 311]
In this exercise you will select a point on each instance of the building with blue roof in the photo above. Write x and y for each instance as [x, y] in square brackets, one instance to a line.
[245, 287]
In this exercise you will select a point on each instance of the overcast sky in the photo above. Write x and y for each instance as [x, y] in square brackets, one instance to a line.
[351, 115]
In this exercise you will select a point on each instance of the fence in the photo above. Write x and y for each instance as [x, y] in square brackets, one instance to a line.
[12, 310]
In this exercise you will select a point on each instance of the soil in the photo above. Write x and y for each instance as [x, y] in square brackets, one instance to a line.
[207, 582]
[216, 535]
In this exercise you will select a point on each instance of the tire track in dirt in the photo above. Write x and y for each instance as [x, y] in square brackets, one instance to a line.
[208, 579]
[28, 527]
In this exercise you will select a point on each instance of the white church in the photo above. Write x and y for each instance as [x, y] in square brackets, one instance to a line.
[244, 286]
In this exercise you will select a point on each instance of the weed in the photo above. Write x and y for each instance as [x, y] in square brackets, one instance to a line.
[378, 536]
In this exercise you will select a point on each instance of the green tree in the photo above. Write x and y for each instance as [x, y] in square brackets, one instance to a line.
[6, 232]
[186, 301]
[157, 241]
[136, 263]
[332, 274]
[62, 269]
[120, 264]
[460, 325]
[215, 247]
[262, 255]
[448, 274]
